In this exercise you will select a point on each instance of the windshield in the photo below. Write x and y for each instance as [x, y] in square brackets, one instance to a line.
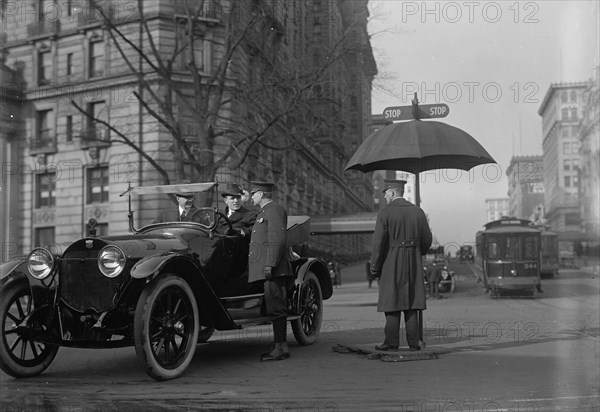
[513, 247]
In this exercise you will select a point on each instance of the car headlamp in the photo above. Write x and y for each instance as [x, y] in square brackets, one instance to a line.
[40, 263]
[111, 261]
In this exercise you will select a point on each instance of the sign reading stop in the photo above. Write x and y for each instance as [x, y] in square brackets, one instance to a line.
[424, 111]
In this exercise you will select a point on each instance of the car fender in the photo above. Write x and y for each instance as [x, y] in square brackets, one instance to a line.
[14, 270]
[208, 302]
[320, 270]
[150, 266]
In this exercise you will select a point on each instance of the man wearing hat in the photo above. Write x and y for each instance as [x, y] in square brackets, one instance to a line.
[402, 235]
[241, 218]
[268, 262]
[183, 213]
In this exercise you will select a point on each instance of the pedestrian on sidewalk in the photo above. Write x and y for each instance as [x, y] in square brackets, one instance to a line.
[402, 235]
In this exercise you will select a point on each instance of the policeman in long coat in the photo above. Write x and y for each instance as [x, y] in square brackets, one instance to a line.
[269, 262]
[402, 235]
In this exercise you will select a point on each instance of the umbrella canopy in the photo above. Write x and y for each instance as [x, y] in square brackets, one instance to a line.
[417, 146]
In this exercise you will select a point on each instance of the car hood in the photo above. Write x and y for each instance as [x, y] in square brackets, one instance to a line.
[178, 240]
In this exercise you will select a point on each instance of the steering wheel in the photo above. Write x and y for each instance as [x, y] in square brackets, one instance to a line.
[205, 216]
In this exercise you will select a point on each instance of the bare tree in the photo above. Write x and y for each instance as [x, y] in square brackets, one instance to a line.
[219, 112]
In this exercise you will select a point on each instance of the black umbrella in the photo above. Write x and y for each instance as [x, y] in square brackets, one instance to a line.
[417, 146]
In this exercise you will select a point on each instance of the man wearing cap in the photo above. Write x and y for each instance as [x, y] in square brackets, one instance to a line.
[183, 213]
[241, 218]
[268, 262]
[402, 235]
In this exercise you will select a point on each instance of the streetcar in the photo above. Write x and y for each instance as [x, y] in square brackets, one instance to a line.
[549, 265]
[509, 254]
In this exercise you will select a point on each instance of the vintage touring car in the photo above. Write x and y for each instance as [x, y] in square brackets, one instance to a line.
[162, 289]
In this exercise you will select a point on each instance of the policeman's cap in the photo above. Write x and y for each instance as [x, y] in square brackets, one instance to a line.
[261, 186]
[393, 184]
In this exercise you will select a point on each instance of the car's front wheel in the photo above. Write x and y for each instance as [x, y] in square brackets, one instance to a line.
[308, 326]
[166, 327]
[20, 355]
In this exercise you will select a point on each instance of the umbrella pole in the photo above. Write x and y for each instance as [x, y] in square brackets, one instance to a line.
[419, 312]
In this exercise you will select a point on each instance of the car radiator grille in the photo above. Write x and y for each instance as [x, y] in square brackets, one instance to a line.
[82, 285]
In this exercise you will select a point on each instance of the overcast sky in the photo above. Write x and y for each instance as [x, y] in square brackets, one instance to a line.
[492, 63]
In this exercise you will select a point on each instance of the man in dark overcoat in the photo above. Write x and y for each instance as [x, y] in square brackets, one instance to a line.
[402, 235]
[242, 219]
[269, 262]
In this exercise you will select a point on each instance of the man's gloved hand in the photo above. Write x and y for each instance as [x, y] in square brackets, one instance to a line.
[268, 272]
[376, 275]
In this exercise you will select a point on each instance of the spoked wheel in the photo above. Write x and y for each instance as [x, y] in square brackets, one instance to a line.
[307, 327]
[166, 327]
[20, 355]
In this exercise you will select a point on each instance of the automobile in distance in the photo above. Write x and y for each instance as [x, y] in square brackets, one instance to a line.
[465, 254]
[162, 289]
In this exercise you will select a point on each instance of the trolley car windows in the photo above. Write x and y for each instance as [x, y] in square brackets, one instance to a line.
[531, 248]
[493, 251]
[513, 248]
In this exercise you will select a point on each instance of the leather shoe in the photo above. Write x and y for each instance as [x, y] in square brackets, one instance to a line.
[276, 354]
[414, 348]
[270, 356]
[386, 348]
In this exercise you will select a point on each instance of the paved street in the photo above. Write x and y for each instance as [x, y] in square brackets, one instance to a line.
[496, 355]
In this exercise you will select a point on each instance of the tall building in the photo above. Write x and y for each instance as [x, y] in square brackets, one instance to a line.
[561, 112]
[79, 107]
[589, 169]
[496, 208]
[525, 185]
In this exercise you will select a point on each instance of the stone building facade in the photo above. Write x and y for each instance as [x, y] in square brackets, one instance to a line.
[561, 112]
[525, 185]
[71, 168]
[589, 170]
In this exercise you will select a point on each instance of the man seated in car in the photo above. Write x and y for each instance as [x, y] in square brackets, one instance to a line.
[183, 213]
[242, 219]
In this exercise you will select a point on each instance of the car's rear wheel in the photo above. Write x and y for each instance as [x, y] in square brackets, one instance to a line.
[20, 355]
[308, 326]
[166, 327]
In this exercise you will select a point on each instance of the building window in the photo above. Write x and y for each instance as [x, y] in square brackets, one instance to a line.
[45, 190]
[44, 129]
[96, 59]
[567, 165]
[574, 114]
[69, 127]
[44, 68]
[566, 148]
[97, 184]
[567, 181]
[573, 96]
[69, 63]
[96, 131]
[44, 237]
[565, 131]
[564, 97]
[565, 114]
